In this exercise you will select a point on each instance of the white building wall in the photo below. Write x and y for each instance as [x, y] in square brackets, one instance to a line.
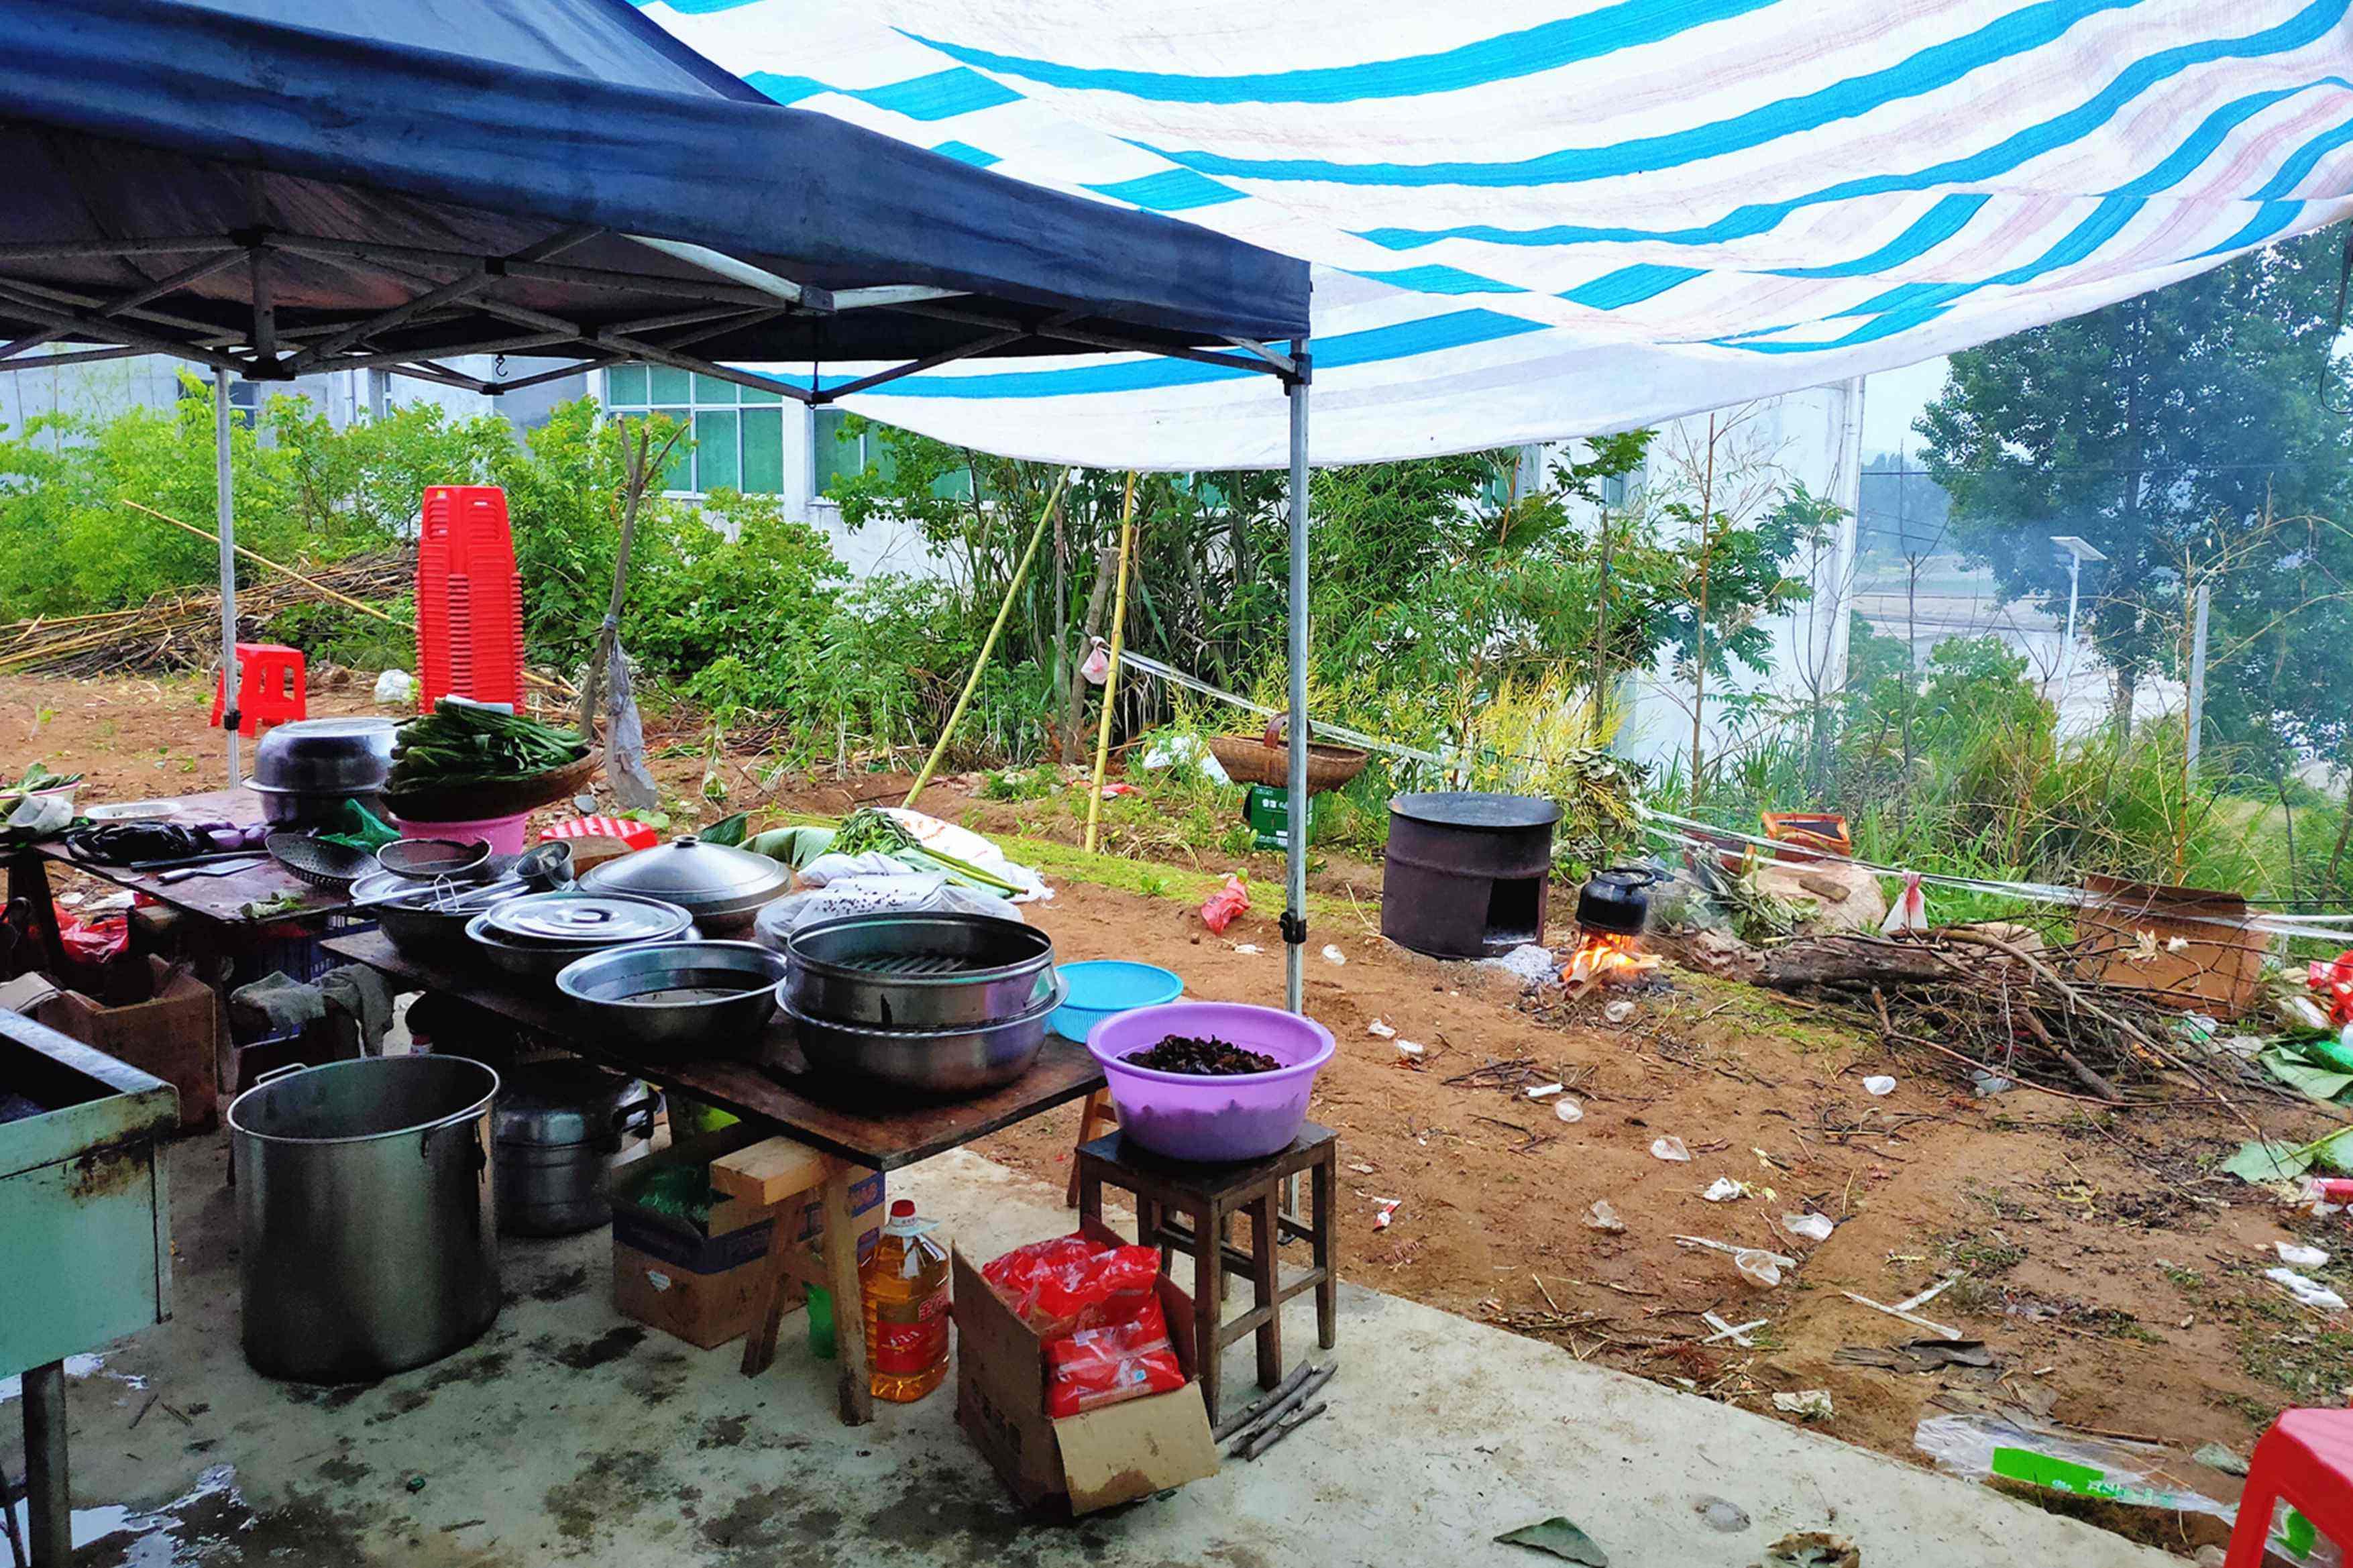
[1761, 450]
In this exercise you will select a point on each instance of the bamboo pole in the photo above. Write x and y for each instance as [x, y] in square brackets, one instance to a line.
[1111, 676]
[315, 585]
[311, 582]
[987, 644]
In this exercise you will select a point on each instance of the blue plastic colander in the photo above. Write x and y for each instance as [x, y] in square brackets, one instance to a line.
[1104, 987]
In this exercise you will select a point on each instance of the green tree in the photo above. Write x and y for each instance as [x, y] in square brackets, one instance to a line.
[2174, 431]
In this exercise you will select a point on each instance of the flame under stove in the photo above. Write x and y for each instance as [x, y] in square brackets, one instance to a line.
[1607, 958]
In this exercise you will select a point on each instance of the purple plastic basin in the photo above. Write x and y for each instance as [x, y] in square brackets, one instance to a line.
[1185, 1116]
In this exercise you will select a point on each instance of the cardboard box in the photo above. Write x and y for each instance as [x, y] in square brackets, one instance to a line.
[702, 1283]
[166, 1023]
[2219, 967]
[1084, 1462]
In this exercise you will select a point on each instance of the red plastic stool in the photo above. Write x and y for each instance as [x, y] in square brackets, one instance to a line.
[270, 688]
[2306, 1461]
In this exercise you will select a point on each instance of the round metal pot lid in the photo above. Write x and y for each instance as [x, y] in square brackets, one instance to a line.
[558, 1104]
[581, 918]
[1467, 808]
[708, 878]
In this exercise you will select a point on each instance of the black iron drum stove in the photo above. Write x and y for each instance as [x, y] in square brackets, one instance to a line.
[1466, 873]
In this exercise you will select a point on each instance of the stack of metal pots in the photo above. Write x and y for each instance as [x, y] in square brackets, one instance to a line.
[933, 1004]
[305, 771]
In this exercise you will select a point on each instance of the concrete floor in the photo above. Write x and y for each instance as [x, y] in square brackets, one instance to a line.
[568, 1433]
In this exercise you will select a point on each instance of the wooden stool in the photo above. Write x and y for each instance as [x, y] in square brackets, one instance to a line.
[774, 1175]
[1212, 1195]
[1098, 1117]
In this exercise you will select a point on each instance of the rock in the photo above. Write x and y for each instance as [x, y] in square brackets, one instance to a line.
[1858, 904]
[1828, 889]
[1721, 1514]
[2215, 1456]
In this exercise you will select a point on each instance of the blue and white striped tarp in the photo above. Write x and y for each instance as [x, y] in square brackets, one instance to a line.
[1538, 218]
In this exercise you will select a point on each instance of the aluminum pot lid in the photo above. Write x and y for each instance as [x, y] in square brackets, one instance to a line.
[557, 1104]
[708, 878]
[587, 920]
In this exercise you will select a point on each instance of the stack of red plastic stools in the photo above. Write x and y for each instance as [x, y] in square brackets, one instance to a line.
[2306, 1461]
[271, 687]
[469, 599]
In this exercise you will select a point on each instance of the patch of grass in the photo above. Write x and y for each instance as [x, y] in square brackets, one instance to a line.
[1759, 1011]
[2189, 1281]
[2314, 1367]
[1987, 1258]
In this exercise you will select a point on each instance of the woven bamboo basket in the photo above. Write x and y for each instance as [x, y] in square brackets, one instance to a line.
[1250, 759]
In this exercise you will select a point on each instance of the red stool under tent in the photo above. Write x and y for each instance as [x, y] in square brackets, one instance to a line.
[2306, 1461]
[271, 687]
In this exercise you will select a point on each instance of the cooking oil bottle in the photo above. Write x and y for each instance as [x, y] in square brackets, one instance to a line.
[906, 1285]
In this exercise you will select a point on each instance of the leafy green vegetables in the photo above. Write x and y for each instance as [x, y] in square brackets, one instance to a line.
[460, 744]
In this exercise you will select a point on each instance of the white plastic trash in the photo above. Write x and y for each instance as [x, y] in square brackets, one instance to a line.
[2308, 1292]
[1670, 1149]
[1812, 1226]
[1725, 1190]
[1603, 1215]
[2299, 1256]
[1880, 1084]
[1568, 1109]
[395, 687]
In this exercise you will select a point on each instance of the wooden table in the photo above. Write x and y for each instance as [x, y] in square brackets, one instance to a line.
[219, 901]
[777, 1092]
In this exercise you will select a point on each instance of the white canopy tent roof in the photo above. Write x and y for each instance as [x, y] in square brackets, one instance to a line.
[1533, 219]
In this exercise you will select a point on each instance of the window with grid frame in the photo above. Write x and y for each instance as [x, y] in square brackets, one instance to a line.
[738, 431]
[843, 454]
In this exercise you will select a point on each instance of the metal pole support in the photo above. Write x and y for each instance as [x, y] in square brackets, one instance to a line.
[225, 508]
[1294, 855]
[49, 1497]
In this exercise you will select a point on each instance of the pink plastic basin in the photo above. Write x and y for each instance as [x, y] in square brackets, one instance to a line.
[1184, 1116]
[503, 834]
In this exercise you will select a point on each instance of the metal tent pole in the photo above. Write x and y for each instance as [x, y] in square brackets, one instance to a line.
[223, 510]
[1295, 853]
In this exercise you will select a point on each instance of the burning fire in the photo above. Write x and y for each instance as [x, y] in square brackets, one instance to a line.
[1605, 958]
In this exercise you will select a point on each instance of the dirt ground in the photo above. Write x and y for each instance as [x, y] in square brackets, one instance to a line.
[2116, 1279]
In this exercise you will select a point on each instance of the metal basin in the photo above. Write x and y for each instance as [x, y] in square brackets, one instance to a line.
[917, 971]
[325, 756]
[430, 921]
[940, 1063]
[681, 999]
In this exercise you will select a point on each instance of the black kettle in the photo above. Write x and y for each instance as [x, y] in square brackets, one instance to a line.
[1616, 900]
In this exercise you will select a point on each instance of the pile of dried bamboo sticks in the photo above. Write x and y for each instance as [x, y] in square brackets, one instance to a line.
[181, 628]
[1991, 1002]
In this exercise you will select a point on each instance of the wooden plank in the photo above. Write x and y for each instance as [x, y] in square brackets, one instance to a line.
[768, 1173]
[881, 1132]
[841, 1249]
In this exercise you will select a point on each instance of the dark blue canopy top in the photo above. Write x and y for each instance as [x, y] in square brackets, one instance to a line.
[272, 174]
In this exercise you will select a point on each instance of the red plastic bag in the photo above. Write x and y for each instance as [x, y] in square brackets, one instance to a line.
[1223, 905]
[2332, 983]
[1071, 1282]
[94, 942]
[1103, 1365]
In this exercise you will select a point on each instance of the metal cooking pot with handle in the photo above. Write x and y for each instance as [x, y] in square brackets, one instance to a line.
[368, 1243]
[559, 1127]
